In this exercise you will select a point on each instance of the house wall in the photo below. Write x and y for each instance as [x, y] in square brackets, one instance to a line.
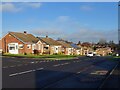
[46, 49]
[26, 50]
[53, 49]
[10, 39]
[39, 47]
[103, 51]
[0, 45]
[68, 51]
[77, 52]
[85, 50]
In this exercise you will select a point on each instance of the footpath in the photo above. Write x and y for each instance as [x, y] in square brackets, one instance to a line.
[114, 80]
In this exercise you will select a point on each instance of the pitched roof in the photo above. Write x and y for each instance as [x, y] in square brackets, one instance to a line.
[24, 37]
[75, 46]
[49, 41]
[64, 44]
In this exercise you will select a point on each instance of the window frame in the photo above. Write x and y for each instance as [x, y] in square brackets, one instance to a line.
[19, 46]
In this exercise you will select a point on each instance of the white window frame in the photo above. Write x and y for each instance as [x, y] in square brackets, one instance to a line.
[12, 45]
[20, 46]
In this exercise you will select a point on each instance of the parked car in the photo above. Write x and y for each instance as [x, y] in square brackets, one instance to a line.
[117, 54]
[90, 54]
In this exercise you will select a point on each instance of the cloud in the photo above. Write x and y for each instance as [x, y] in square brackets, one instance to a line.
[69, 29]
[46, 31]
[90, 35]
[9, 7]
[86, 8]
[16, 7]
[33, 5]
[63, 18]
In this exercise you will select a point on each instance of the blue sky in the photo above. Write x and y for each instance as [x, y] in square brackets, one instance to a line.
[71, 21]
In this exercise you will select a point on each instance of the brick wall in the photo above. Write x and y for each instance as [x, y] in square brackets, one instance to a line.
[10, 39]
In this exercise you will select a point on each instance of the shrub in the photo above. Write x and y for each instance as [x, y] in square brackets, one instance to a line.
[25, 53]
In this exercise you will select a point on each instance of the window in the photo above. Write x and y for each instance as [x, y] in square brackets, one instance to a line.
[21, 46]
[29, 46]
[69, 50]
[12, 48]
[46, 47]
[56, 48]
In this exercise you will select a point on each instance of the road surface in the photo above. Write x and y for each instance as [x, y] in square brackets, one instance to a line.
[84, 72]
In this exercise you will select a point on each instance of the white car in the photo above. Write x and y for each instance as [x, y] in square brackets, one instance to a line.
[90, 54]
[117, 54]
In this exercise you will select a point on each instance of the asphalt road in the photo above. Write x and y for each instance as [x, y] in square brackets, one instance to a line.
[84, 72]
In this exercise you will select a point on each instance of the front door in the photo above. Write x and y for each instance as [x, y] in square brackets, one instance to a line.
[13, 48]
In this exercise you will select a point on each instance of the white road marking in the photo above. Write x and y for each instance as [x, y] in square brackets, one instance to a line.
[32, 62]
[56, 65]
[12, 66]
[63, 64]
[24, 72]
[13, 74]
[34, 70]
[109, 75]
[67, 63]
[5, 67]
[39, 68]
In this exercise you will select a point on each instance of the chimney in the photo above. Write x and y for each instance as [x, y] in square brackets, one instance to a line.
[46, 36]
[25, 32]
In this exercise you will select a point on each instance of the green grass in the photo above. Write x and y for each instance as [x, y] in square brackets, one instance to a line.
[116, 56]
[50, 57]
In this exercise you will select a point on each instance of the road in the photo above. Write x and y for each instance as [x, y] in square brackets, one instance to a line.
[84, 72]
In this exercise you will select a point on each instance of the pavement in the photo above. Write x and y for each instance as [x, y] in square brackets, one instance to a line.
[84, 72]
[113, 80]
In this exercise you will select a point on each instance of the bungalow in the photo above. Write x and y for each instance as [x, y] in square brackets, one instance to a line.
[85, 48]
[103, 51]
[20, 43]
[76, 50]
[67, 49]
[50, 46]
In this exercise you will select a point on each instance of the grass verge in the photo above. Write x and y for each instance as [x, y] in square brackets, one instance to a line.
[50, 57]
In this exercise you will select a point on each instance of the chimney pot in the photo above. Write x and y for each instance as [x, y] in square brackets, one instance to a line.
[25, 32]
[46, 36]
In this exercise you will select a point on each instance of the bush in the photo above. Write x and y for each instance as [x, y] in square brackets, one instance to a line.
[3, 52]
[25, 53]
[55, 54]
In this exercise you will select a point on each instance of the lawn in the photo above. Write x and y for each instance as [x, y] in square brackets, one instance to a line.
[50, 57]
[117, 57]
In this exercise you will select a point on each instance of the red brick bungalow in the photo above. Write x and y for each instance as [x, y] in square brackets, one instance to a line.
[20, 43]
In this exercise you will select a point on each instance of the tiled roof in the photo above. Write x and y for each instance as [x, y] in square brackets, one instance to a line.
[64, 44]
[75, 46]
[24, 37]
[49, 41]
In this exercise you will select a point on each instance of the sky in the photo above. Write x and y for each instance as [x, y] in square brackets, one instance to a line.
[73, 21]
